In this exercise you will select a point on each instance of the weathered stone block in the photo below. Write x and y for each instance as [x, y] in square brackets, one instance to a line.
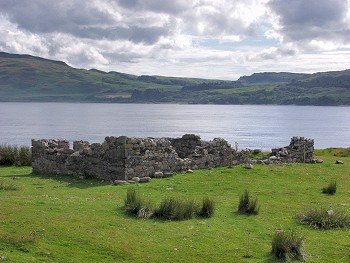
[158, 175]
[145, 179]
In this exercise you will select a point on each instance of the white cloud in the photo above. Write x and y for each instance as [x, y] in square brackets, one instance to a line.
[18, 41]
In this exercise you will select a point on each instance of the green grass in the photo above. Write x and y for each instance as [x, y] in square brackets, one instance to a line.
[340, 152]
[63, 219]
[7, 186]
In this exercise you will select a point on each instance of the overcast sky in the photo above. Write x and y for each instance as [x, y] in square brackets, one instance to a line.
[220, 39]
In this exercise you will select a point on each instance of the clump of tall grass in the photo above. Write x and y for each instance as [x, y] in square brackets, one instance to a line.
[330, 189]
[324, 219]
[172, 208]
[136, 206]
[247, 204]
[208, 208]
[288, 246]
[14, 155]
[6, 186]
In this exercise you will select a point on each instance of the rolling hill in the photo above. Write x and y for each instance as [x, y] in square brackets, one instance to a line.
[34, 79]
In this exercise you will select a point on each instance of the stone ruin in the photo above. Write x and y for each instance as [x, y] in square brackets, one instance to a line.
[123, 158]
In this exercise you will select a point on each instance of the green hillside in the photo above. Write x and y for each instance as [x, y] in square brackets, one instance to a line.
[29, 78]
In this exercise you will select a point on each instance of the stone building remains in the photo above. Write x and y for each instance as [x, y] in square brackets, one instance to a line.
[123, 158]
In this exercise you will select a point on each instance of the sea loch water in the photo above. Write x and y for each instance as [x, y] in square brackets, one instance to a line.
[250, 126]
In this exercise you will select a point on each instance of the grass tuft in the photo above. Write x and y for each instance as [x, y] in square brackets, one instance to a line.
[330, 189]
[134, 205]
[247, 204]
[288, 246]
[172, 208]
[208, 208]
[133, 202]
[324, 219]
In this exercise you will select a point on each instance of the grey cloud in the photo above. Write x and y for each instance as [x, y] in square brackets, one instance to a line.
[43, 16]
[147, 35]
[312, 19]
[78, 18]
[272, 54]
[310, 12]
[134, 20]
[170, 7]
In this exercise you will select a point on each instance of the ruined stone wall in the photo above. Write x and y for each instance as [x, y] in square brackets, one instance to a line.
[123, 158]
[147, 156]
[299, 150]
[102, 161]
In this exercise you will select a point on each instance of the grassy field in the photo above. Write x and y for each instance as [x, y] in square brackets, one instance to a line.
[63, 219]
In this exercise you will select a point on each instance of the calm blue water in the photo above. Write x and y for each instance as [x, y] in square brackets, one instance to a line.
[263, 127]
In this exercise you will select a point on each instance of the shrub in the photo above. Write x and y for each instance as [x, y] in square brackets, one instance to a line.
[208, 208]
[324, 219]
[24, 156]
[287, 246]
[7, 154]
[13, 155]
[172, 208]
[330, 189]
[247, 204]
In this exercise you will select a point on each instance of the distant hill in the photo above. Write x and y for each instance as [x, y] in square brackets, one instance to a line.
[271, 77]
[30, 78]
